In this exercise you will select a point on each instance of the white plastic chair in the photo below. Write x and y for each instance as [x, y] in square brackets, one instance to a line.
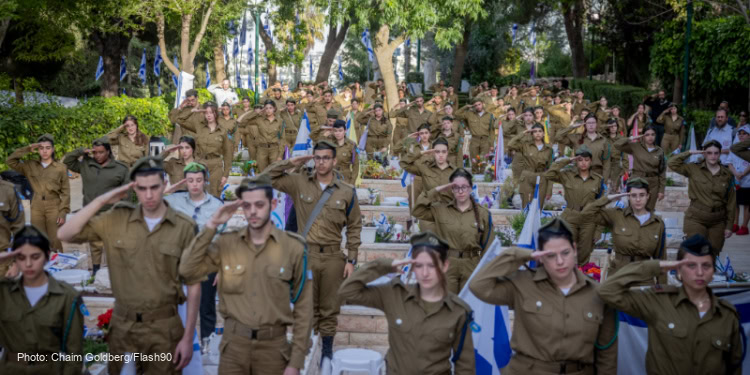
[357, 360]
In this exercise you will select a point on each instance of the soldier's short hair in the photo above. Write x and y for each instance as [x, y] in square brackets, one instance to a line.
[510, 109]
[325, 145]
[339, 124]
[440, 141]
[33, 236]
[147, 166]
[291, 100]
[258, 182]
[447, 118]
[424, 126]
[269, 102]
[191, 92]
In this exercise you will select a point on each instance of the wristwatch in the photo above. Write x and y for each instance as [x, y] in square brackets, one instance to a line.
[353, 262]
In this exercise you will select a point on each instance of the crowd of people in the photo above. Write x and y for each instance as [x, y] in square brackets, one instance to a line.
[160, 223]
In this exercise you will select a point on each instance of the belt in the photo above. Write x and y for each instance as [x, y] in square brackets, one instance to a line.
[324, 248]
[44, 198]
[464, 254]
[631, 258]
[260, 334]
[290, 131]
[645, 174]
[703, 207]
[144, 317]
[267, 145]
[212, 156]
[14, 357]
[557, 367]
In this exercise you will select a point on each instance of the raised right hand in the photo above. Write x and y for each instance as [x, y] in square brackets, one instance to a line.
[115, 195]
[299, 160]
[617, 196]
[398, 263]
[223, 214]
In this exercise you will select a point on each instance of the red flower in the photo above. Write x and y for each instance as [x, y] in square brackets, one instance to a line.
[103, 319]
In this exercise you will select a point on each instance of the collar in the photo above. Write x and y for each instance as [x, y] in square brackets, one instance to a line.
[274, 233]
[311, 177]
[683, 297]
[628, 211]
[581, 279]
[137, 214]
[412, 293]
[53, 286]
[186, 196]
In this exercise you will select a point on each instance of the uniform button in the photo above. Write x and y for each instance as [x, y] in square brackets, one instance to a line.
[281, 270]
[399, 321]
[590, 315]
[226, 268]
[670, 325]
[239, 267]
[718, 342]
[538, 304]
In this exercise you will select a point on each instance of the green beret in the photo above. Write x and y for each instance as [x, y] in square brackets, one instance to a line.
[637, 183]
[697, 245]
[46, 138]
[191, 92]
[583, 150]
[327, 143]
[428, 239]
[333, 114]
[260, 181]
[194, 167]
[556, 225]
[146, 164]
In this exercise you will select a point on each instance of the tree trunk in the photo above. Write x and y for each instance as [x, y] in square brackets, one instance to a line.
[187, 52]
[572, 13]
[111, 47]
[18, 88]
[677, 91]
[270, 65]
[4, 24]
[384, 54]
[459, 58]
[221, 74]
[333, 43]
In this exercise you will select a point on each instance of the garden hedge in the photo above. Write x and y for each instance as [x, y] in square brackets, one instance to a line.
[627, 97]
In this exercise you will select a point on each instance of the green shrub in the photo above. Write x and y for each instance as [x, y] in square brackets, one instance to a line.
[627, 97]
[415, 77]
[77, 126]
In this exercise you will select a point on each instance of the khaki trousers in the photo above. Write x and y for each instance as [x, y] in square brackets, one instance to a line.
[328, 274]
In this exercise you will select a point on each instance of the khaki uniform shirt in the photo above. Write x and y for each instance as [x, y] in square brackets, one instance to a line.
[617, 155]
[179, 116]
[672, 127]
[742, 150]
[11, 219]
[479, 125]
[305, 191]
[578, 192]
[127, 151]
[95, 178]
[535, 160]
[421, 340]
[579, 106]
[630, 237]
[548, 325]
[40, 329]
[599, 147]
[641, 120]
[461, 230]
[455, 147]
[228, 125]
[679, 340]
[290, 121]
[454, 100]
[645, 163]
[714, 191]
[514, 102]
[346, 158]
[248, 127]
[413, 116]
[142, 264]
[269, 131]
[427, 168]
[376, 128]
[211, 144]
[256, 282]
[49, 183]
[320, 112]
[559, 119]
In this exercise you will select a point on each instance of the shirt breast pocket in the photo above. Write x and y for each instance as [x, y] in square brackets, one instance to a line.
[169, 259]
[123, 253]
[231, 278]
[671, 332]
[306, 198]
[443, 336]
[536, 311]
[336, 210]
[279, 278]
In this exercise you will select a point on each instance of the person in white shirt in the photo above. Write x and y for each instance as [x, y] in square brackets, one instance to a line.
[224, 94]
[741, 170]
[722, 133]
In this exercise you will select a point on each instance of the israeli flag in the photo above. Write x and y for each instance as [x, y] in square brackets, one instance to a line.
[363, 140]
[238, 79]
[250, 55]
[236, 49]
[174, 77]
[368, 44]
[278, 216]
[142, 68]
[499, 153]
[632, 340]
[208, 77]
[226, 55]
[123, 68]
[263, 81]
[341, 70]
[243, 30]
[692, 146]
[303, 143]
[311, 68]
[348, 124]
[100, 68]
[157, 62]
[530, 232]
[515, 29]
[406, 177]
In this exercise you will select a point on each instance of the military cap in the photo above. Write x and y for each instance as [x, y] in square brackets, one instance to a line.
[45, 138]
[29, 230]
[191, 92]
[428, 239]
[327, 143]
[269, 102]
[493, 87]
[333, 114]
[146, 164]
[697, 245]
[556, 225]
[637, 183]
[582, 150]
[260, 181]
[101, 141]
[226, 104]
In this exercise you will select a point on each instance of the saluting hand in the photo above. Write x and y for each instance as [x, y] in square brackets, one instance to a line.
[668, 265]
[636, 137]
[171, 149]
[430, 151]
[617, 196]
[696, 152]
[172, 188]
[398, 264]
[9, 254]
[223, 214]
[299, 160]
[115, 195]
[34, 146]
[414, 135]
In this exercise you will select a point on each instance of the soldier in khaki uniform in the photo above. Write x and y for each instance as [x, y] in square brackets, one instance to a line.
[100, 173]
[713, 199]
[513, 99]
[262, 269]
[649, 162]
[41, 325]
[481, 124]
[277, 98]
[415, 113]
[637, 232]
[465, 226]
[347, 161]
[428, 326]
[691, 330]
[639, 118]
[597, 145]
[581, 187]
[622, 126]
[290, 120]
[144, 243]
[228, 123]
[432, 166]
[400, 132]
[537, 157]
[49, 179]
[268, 141]
[674, 129]
[579, 104]
[213, 145]
[321, 113]
[455, 140]
[11, 219]
[436, 121]
[616, 167]
[378, 128]
[248, 129]
[175, 167]
[561, 326]
[742, 150]
[337, 207]
[132, 143]
[184, 113]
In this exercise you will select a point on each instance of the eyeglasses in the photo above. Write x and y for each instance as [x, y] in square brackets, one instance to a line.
[319, 159]
[461, 189]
